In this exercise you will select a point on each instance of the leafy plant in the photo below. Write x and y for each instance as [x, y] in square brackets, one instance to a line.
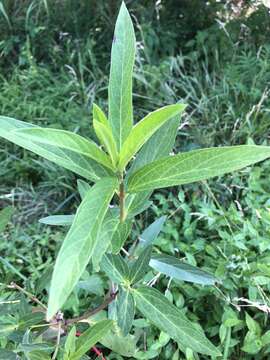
[133, 161]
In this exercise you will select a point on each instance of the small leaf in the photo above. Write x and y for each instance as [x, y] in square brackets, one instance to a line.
[58, 220]
[90, 337]
[79, 243]
[83, 188]
[5, 217]
[144, 129]
[168, 318]
[150, 234]
[70, 151]
[99, 115]
[120, 83]
[177, 269]
[140, 266]
[125, 310]
[122, 345]
[116, 268]
[195, 165]
[70, 343]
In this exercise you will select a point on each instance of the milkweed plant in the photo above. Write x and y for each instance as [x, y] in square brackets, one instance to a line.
[120, 173]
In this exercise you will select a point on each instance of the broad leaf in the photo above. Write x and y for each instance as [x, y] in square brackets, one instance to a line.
[58, 220]
[140, 266]
[125, 310]
[177, 269]
[144, 129]
[116, 268]
[79, 243]
[74, 155]
[120, 83]
[90, 337]
[168, 318]
[5, 217]
[158, 146]
[195, 165]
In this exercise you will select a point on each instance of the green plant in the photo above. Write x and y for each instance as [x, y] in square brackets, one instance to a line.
[131, 162]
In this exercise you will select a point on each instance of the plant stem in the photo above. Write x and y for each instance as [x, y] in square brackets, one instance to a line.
[57, 341]
[122, 201]
[89, 313]
[32, 297]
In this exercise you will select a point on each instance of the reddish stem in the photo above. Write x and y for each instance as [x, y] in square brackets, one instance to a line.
[94, 349]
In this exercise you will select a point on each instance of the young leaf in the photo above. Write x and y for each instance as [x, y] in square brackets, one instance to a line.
[79, 243]
[120, 83]
[150, 234]
[70, 343]
[63, 151]
[58, 220]
[140, 266]
[99, 115]
[125, 310]
[83, 188]
[90, 337]
[106, 139]
[144, 129]
[177, 269]
[195, 165]
[168, 318]
[115, 267]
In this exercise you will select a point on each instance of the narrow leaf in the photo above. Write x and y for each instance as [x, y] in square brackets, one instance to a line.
[144, 129]
[177, 269]
[72, 156]
[107, 231]
[70, 343]
[58, 220]
[116, 268]
[79, 243]
[83, 187]
[140, 266]
[168, 318]
[120, 236]
[158, 146]
[195, 166]
[99, 115]
[106, 139]
[90, 337]
[120, 83]
[125, 310]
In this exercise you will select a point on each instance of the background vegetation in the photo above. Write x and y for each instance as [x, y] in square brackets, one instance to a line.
[54, 62]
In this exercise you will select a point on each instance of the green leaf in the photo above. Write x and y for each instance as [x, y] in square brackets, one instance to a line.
[58, 220]
[83, 187]
[107, 231]
[195, 165]
[5, 217]
[120, 83]
[104, 134]
[79, 243]
[120, 236]
[144, 129]
[168, 318]
[68, 141]
[7, 355]
[123, 345]
[150, 234]
[70, 343]
[90, 337]
[68, 150]
[140, 266]
[116, 268]
[158, 146]
[125, 310]
[177, 269]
